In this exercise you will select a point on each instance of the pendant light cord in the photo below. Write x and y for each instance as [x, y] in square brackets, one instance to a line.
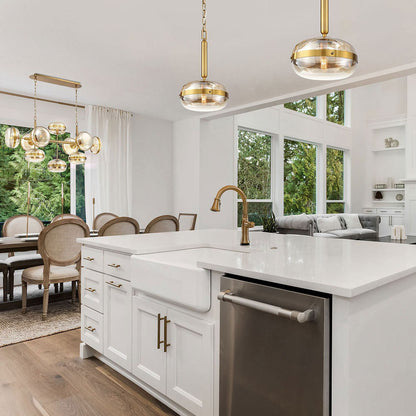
[204, 43]
[324, 17]
[76, 112]
[35, 82]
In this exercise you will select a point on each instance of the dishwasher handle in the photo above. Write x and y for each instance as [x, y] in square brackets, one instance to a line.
[301, 317]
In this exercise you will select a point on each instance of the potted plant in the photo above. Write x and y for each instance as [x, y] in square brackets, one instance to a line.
[269, 223]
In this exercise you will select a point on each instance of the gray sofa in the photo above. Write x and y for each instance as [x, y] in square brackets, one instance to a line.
[307, 225]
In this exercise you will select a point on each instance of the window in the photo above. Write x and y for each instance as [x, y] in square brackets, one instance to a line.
[254, 174]
[335, 108]
[307, 106]
[80, 191]
[45, 186]
[334, 181]
[299, 177]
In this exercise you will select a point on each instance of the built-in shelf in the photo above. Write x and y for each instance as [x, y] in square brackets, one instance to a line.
[389, 149]
[389, 190]
[388, 202]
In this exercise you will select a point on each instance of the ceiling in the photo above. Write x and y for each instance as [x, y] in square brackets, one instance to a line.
[136, 54]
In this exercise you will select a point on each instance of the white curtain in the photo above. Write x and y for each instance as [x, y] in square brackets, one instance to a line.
[108, 174]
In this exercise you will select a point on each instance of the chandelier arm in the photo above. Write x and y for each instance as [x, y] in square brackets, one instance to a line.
[324, 17]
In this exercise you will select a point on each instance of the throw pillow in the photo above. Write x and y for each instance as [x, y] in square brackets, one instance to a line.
[352, 221]
[328, 224]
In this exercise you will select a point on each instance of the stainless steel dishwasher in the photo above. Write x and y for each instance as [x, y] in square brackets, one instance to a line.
[274, 351]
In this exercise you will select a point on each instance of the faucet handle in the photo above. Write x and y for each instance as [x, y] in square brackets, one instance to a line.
[251, 224]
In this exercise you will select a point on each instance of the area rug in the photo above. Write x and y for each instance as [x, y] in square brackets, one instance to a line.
[16, 327]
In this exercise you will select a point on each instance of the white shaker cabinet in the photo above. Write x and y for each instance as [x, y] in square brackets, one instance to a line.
[117, 321]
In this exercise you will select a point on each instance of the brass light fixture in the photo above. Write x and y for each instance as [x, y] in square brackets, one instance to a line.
[203, 95]
[40, 136]
[324, 59]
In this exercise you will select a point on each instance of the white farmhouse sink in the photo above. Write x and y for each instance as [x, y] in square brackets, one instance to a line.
[174, 276]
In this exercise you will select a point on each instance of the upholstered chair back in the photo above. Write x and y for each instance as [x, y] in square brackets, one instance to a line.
[163, 224]
[64, 216]
[102, 218]
[120, 226]
[18, 223]
[187, 221]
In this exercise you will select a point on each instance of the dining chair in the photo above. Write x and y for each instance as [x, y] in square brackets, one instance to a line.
[186, 221]
[119, 226]
[19, 224]
[3, 269]
[162, 224]
[61, 254]
[64, 216]
[101, 219]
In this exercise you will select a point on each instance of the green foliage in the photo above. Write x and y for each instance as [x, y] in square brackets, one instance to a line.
[80, 191]
[334, 174]
[307, 106]
[269, 223]
[299, 177]
[335, 107]
[254, 164]
[45, 186]
[335, 207]
[256, 211]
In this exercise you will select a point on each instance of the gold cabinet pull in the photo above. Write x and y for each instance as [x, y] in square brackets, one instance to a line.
[90, 328]
[165, 327]
[111, 283]
[90, 289]
[116, 266]
[89, 258]
[158, 331]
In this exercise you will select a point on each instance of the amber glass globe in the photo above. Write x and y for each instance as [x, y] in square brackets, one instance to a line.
[27, 142]
[57, 128]
[84, 141]
[12, 137]
[96, 145]
[70, 146]
[56, 166]
[35, 155]
[77, 158]
[204, 96]
[324, 59]
[40, 136]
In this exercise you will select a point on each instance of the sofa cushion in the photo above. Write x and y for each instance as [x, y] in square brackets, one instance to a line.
[363, 231]
[324, 235]
[299, 222]
[351, 234]
[352, 221]
[328, 224]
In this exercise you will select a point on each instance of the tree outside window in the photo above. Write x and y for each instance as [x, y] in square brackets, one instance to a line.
[306, 106]
[335, 107]
[254, 173]
[335, 181]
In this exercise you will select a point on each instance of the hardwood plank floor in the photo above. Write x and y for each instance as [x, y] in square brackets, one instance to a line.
[46, 377]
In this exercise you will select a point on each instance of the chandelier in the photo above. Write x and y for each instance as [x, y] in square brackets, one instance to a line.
[203, 95]
[323, 58]
[40, 137]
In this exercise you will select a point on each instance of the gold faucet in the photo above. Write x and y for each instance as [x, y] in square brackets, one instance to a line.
[245, 223]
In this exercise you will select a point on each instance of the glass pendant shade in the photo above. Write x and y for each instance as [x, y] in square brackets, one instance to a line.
[70, 146]
[35, 155]
[27, 142]
[40, 136]
[324, 59]
[204, 96]
[96, 145]
[77, 158]
[56, 166]
[84, 141]
[57, 128]
[12, 137]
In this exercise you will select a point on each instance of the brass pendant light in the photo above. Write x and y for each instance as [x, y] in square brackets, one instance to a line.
[324, 59]
[203, 95]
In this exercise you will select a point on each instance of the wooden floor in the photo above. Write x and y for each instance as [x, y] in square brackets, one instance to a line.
[45, 377]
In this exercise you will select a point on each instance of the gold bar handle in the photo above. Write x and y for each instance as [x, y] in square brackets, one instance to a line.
[90, 328]
[111, 283]
[89, 258]
[165, 327]
[90, 289]
[116, 266]
[158, 331]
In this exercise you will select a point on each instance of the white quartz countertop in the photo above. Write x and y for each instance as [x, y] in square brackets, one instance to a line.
[341, 267]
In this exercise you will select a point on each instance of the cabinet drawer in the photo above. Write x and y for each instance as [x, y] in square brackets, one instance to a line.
[390, 211]
[369, 210]
[92, 328]
[92, 288]
[117, 265]
[92, 258]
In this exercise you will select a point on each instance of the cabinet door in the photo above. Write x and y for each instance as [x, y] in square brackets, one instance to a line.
[384, 226]
[117, 321]
[190, 368]
[149, 361]
[397, 220]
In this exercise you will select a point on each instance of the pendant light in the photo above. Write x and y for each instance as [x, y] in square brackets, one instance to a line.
[324, 59]
[203, 95]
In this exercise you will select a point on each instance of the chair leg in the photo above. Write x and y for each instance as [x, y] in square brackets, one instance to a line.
[56, 287]
[61, 288]
[11, 283]
[45, 301]
[74, 290]
[5, 284]
[39, 287]
[24, 296]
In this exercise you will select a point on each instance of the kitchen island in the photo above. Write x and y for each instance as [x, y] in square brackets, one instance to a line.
[150, 310]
